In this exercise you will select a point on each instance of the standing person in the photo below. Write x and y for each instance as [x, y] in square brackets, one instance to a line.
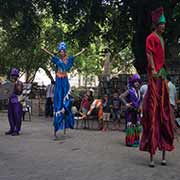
[14, 105]
[84, 108]
[90, 95]
[106, 112]
[132, 99]
[63, 117]
[116, 110]
[49, 100]
[173, 99]
[157, 122]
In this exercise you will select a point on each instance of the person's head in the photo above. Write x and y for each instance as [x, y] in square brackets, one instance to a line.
[106, 96]
[14, 74]
[160, 28]
[115, 95]
[62, 49]
[158, 20]
[136, 81]
[86, 95]
[91, 91]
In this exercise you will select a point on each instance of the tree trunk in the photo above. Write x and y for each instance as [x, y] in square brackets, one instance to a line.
[79, 79]
[48, 72]
[29, 77]
[143, 29]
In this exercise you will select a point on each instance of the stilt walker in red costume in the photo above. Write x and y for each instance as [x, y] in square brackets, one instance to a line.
[156, 121]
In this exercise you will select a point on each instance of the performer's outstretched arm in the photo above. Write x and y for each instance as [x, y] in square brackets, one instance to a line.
[123, 99]
[80, 52]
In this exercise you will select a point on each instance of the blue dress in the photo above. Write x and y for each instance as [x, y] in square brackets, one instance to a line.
[63, 117]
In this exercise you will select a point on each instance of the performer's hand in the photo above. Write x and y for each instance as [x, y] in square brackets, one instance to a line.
[80, 52]
[88, 113]
[175, 107]
[154, 73]
[128, 105]
[140, 109]
[62, 110]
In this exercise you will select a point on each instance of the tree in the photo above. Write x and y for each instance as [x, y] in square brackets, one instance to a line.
[121, 26]
[142, 14]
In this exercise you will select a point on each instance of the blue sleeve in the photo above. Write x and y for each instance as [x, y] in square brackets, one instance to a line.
[58, 62]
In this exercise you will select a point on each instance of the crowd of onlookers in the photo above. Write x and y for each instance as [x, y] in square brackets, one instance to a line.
[108, 108]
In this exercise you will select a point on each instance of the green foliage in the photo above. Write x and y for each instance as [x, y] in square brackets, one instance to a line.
[121, 26]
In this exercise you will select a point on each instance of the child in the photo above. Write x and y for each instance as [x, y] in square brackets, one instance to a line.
[106, 112]
[131, 98]
[85, 106]
[116, 111]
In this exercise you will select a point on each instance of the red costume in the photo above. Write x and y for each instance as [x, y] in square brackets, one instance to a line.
[156, 121]
[153, 45]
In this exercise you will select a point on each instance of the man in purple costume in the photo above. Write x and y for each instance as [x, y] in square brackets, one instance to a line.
[14, 105]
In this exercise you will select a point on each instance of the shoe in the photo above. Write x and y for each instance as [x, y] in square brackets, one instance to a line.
[151, 164]
[135, 145]
[163, 162]
[104, 129]
[8, 132]
[15, 134]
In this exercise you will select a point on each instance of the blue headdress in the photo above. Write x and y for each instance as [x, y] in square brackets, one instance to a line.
[62, 46]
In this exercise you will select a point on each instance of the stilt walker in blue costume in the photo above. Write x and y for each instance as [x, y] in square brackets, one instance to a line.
[63, 117]
[14, 105]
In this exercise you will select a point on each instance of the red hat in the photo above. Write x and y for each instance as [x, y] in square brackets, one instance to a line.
[158, 16]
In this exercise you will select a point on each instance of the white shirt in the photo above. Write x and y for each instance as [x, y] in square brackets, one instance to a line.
[172, 93]
[50, 91]
[143, 90]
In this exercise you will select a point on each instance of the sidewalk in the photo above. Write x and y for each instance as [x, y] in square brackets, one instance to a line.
[78, 155]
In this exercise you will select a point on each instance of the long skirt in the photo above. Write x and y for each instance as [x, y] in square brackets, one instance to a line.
[14, 116]
[133, 128]
[157, 122]
[63, 116]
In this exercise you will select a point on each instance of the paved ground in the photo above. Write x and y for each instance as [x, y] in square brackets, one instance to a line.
[80, 155]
